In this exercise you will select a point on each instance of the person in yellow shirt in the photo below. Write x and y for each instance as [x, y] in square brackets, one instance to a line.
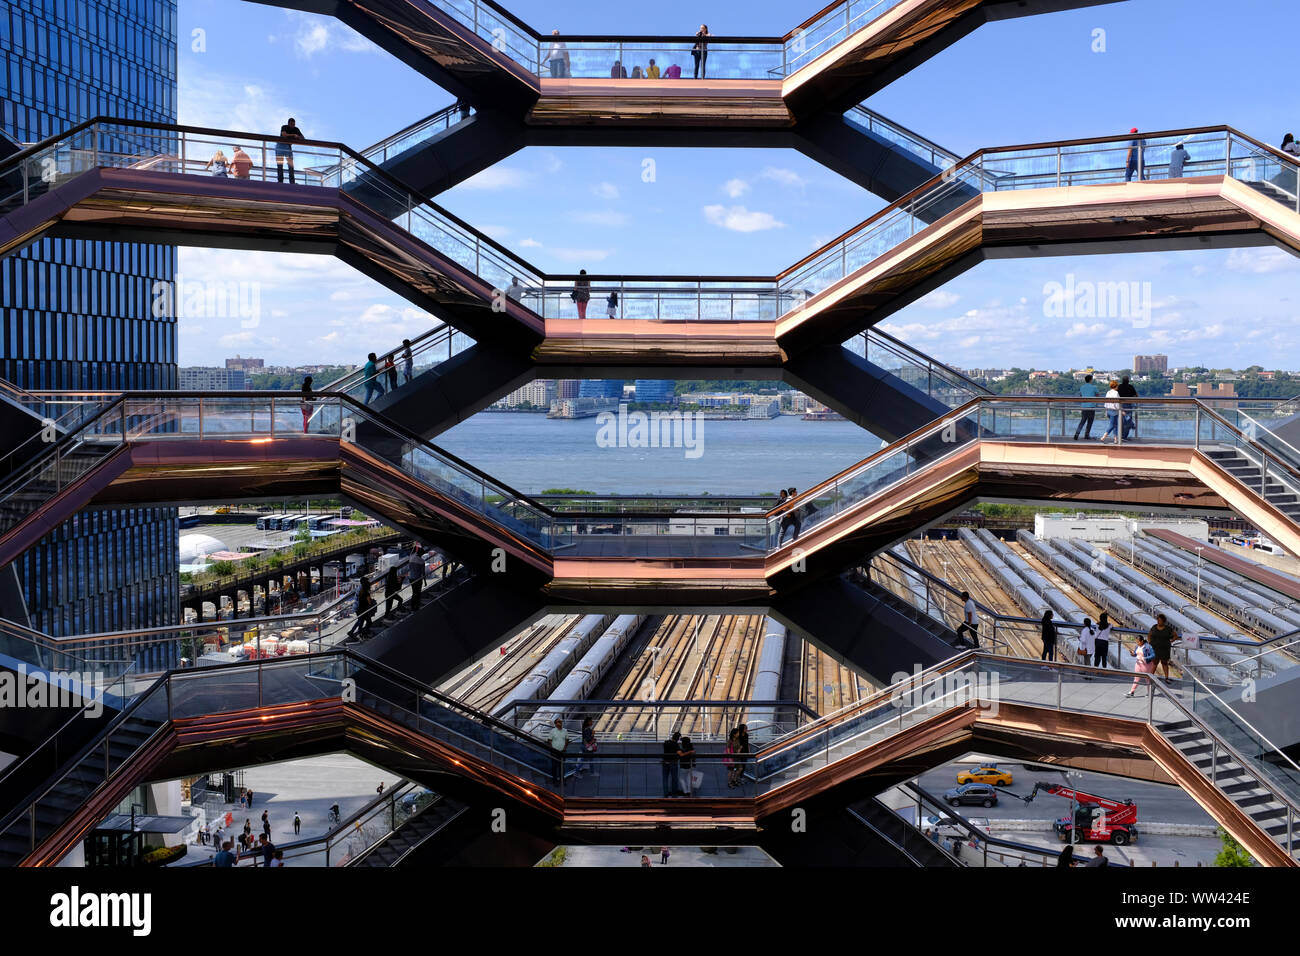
[652, 71]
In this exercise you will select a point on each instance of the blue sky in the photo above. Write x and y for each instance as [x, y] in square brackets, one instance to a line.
[1167, 64]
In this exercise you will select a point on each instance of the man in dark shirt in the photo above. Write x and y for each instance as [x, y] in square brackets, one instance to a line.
[224, 858]
[1161, 636]
[1126, 390]
[670, 765]
[284, 149]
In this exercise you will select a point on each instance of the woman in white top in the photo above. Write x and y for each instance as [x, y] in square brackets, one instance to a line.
[1112, 413]
[558, 57]
[1087, 641]
[1101, 642]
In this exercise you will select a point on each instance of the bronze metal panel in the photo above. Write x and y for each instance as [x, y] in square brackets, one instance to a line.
[608, 102]
[1216, 803]
[412, 504]
[615, 342]
[847, 70]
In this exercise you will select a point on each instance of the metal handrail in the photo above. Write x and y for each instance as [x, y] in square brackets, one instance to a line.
[906, 202]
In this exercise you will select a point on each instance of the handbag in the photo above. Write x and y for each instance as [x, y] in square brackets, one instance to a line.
[697, 779]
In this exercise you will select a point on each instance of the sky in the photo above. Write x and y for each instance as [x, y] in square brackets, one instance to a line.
[250, 66]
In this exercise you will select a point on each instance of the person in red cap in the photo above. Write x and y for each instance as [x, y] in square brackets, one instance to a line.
[1134, 162]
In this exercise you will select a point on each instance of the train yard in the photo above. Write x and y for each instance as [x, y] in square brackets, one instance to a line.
[642, 660]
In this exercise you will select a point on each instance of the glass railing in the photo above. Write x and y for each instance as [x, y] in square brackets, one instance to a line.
[258, 417]
[1213, 152]
[65, 769]
[637, 721]
[687, 527]
[150, 651]
[829, 29]
[917, 369]
[666, 300]
[353, 836]
[914, 143]
[428, 351]
[417, 133]
[182, 150]
[755, 58]
[642, 771]
[166, 149]
[633, 58]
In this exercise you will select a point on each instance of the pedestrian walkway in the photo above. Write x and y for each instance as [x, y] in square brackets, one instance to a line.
[308, 787]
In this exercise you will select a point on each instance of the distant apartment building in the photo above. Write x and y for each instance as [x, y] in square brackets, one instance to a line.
[795, 401]
[567, 388]
[1151, 363]
[538, 393]
[247, 364]
[198, 379]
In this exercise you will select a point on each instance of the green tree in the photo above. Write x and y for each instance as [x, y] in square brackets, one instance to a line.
[1233, 853]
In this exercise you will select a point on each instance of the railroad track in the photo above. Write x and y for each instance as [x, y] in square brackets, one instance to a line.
[495, 683]
[718, 664]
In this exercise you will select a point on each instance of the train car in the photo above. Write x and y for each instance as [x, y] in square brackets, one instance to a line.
[1263, 612]
[1063, 607]
[762, 721]
[553, 668]
[586, 674]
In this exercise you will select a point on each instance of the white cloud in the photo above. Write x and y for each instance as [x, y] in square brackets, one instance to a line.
[1080, 328]
[938, 299]
[311, 39]
[735, 188]
[605, 191]
[497, 178]
[530, 243]
[740, 219]
[313, 34]
[786, 177]
[220, 101]
[1261, 260]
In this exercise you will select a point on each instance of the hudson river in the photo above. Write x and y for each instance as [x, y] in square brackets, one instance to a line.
[531, 452]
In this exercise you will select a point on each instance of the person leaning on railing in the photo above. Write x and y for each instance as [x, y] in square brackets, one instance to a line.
[308, 398]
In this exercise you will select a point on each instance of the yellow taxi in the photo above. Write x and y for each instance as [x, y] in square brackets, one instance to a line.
[988, 773]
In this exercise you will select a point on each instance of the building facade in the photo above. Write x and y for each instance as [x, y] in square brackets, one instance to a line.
[197, 379]
[655, 391]
[601, 388]
[77, 314]
[1151, 363]
[538, 393]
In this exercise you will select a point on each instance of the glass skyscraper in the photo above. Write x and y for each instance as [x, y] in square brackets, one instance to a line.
[655, 390]
[601, 388]
[77, 314]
